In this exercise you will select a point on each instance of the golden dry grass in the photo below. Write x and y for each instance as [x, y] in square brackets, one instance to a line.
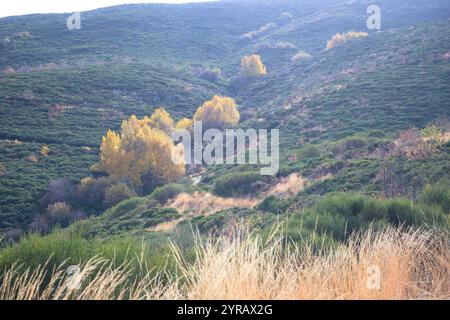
[289, 186]
[206, 203]
[413, 265]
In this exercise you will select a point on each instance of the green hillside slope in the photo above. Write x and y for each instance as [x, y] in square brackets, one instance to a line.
[65, 89]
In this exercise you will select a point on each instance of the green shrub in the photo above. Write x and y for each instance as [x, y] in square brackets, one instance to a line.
[273, 204]
[349, 144]
[358, 211]
[167, 192]
[437, 195]
[309, 152]
[236, 184]
[71, 248]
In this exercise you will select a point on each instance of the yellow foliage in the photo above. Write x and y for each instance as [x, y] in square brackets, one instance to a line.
[45, 150]
[140, 148]
[252, 66]
[162, 120]
[219, 113]
[341, 38]
[184, 124]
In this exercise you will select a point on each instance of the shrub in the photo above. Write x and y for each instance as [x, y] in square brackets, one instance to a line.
[437, 195]
[91, 193]
[118, 193]
[59, 190]
[273, 204]
[341, 38]
[326, 223]
[167, 192]
[212, 75]
[236, 184]
[300, 56]
[252, 66]
[358, 211]
[309, 152]
[253, 34]
[58, 214]
[349, 144]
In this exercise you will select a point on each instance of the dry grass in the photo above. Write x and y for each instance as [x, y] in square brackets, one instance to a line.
[289, 186]
[413, 265]
[206, 203]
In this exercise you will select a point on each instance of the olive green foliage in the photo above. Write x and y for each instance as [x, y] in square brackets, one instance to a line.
[236, 184]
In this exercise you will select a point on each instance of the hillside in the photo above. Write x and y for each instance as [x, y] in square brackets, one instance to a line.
[88, 177]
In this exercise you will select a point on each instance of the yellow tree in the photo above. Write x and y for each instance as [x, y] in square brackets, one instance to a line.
[139, 150]
[252, 66]
[185, 124]
[219, 113]
[162, 120]
[109, 151]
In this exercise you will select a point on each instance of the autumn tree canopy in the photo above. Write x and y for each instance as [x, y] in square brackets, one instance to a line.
[143, 148]
[219, 113]
[252, 66]
[184, 124]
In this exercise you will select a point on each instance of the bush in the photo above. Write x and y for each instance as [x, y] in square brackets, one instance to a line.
[358, 211]
[58, 214]
[309, 152]
[437, 195]
[349, 144]
[72, 248]
[91, 193]
[273, 204]
[59, 190]
[300, 56]
[118, 193]
[236, 184]
[167, 192]
[341, 38]
[212, 75]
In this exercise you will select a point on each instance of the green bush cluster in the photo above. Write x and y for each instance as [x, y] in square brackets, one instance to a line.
[339, 215]
[237, 184]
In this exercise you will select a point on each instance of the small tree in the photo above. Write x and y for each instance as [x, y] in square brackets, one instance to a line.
[218, 113]
[252, 66]
[142, 146]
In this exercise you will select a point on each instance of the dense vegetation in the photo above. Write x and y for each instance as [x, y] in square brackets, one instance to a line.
[363, 119]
